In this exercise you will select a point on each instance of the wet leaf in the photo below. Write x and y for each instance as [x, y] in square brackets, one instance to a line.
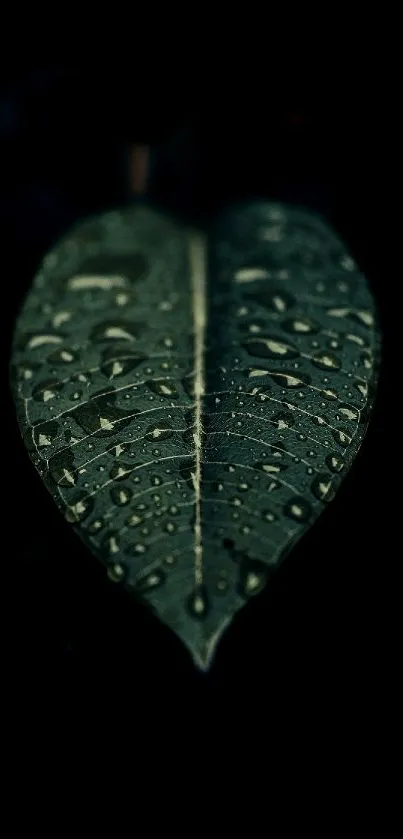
[193, 400]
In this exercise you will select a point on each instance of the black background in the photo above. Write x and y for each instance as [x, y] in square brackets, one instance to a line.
[313, 644]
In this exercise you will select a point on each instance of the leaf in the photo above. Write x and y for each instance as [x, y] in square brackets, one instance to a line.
[193, 401]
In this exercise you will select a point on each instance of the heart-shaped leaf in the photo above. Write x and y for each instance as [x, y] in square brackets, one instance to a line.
[192, 401]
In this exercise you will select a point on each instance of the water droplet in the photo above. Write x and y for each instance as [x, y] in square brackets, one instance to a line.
[139, 548]
[298, 508]
[80, 507]
[110, 543]
[64, 356]
[356, 339]
[300, 325]
[153, 580]
[253, 577]
[116, 330]
[121, 495]
[334, 462]
[348, 412]
[341, 437]
[46, 390]
[198, 604]
[322, 487]
[163, 387]
[283, 419]
[362, 387]
[170, 527]
[330, 394]
[116, 572]
[43, 436]
[120, 471]
[96, 525]
[347, 263]
[134, 520]
[270, 348]
[267, 515]
[62, 470]
[273, 468]
[319, 420]
[326, 361]
[338, 312]
[363, 317]
[288, 379]
[114, 368]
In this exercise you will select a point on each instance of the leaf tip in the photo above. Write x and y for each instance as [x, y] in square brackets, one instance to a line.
[203, 650]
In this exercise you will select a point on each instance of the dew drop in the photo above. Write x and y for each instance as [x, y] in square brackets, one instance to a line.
[153, 580]
[341, 437]
[322, 488]
[46, 390]
[348, 412]
[121, 495]
[330, 394]
[119, 471]
[222, 586]
[270, 348]
[300, 325]
[283, 419]
[334, 462]
[79, 508]
[139, 548]
[298, 508]
[288, 380]
[134, 520]
[110, 543]
[96, 525]
[64, 356]
[253, 577]
[170, 527]
[326, 361]
[163, 387]
[198, 604]
[116, 572]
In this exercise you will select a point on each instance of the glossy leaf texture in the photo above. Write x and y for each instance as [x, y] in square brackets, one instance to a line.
[193, 400]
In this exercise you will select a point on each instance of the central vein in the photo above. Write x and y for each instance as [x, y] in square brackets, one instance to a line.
[199, 310]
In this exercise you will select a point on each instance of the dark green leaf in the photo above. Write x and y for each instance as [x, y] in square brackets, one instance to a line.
[192, 401]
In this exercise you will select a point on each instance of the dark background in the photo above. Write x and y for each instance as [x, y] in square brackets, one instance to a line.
[313, 645]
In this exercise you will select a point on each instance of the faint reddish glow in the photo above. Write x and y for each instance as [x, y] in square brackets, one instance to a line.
[139, 163]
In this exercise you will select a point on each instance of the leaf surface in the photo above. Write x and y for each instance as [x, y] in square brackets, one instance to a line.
[192, 400]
